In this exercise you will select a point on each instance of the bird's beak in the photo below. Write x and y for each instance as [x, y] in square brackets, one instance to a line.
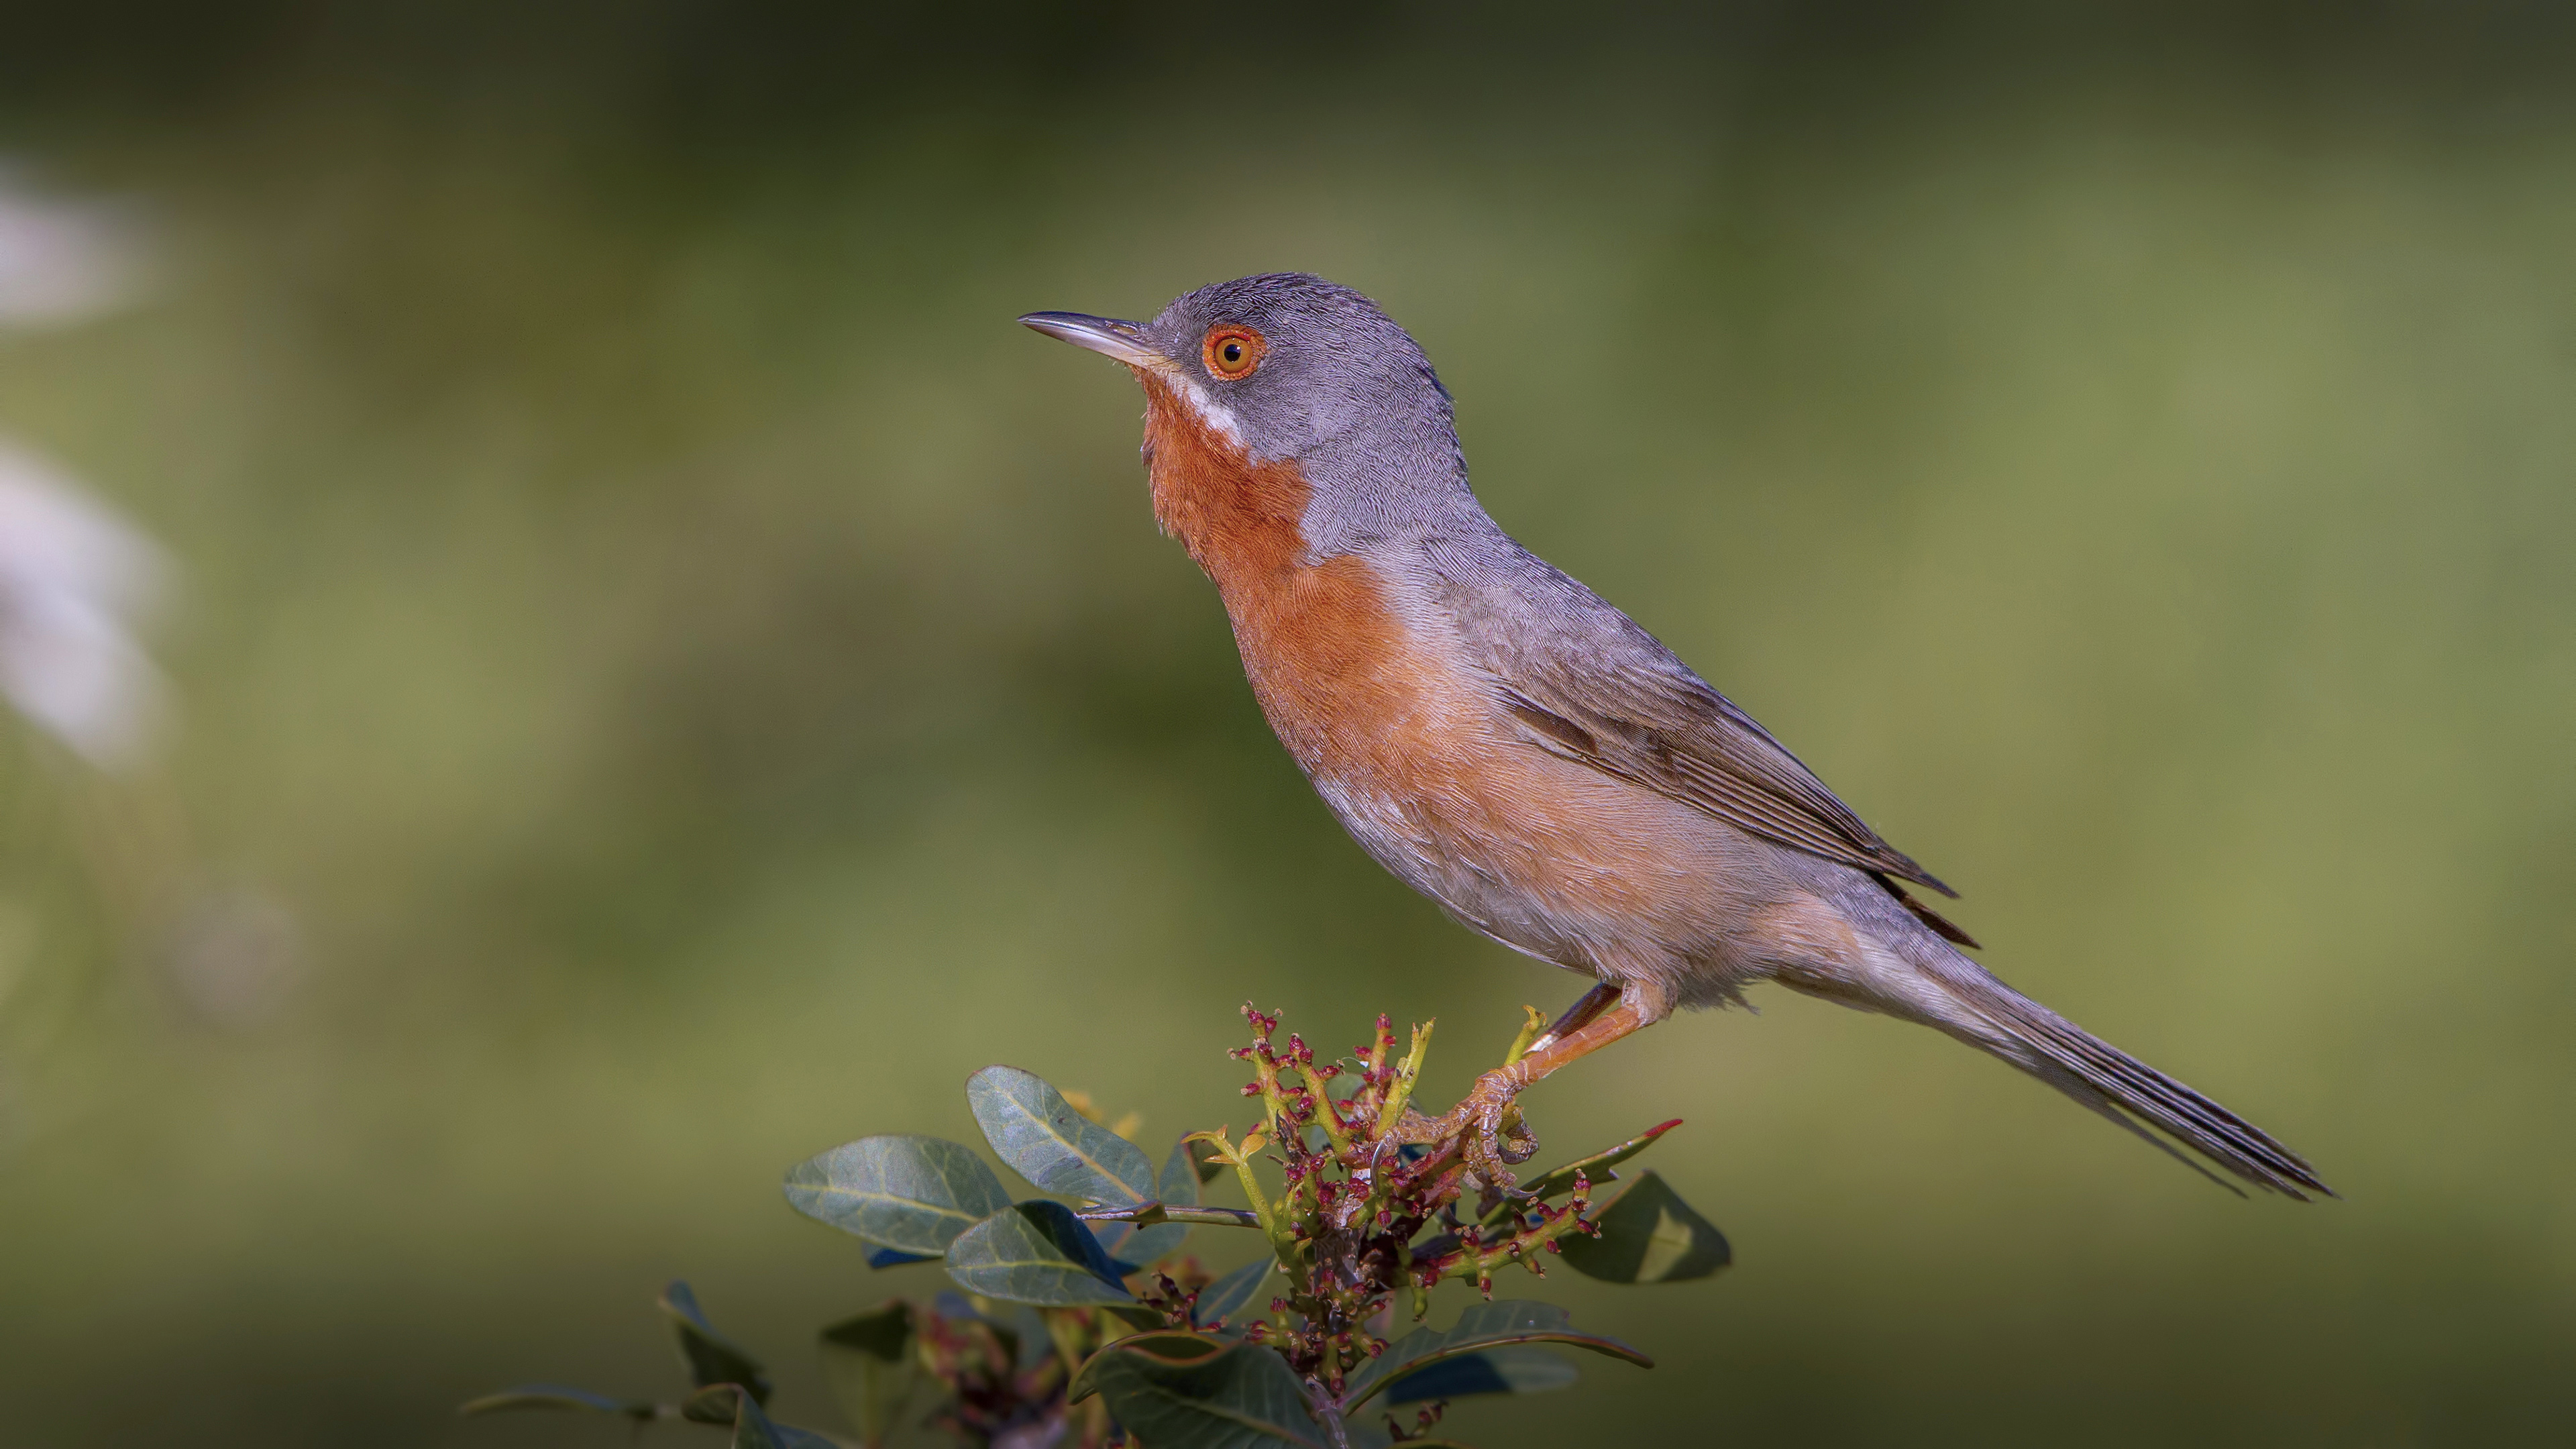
[1107, 336]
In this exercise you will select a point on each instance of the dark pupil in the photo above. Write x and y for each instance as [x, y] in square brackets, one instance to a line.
[1234, 352]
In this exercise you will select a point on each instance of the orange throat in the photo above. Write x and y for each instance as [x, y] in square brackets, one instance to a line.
[1339, 676]
[1241, 521]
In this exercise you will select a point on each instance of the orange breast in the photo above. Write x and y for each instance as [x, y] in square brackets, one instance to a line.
[1352, 694]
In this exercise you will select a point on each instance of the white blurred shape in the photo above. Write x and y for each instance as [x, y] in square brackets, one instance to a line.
[1044, 1434]
[74, 577]
[62, 261]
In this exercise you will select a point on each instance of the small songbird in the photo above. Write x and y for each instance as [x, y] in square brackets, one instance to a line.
[1524, 754]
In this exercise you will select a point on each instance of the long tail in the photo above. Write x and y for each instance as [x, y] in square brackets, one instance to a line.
[2122, 1088]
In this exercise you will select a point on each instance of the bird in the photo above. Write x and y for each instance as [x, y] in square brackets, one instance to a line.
[1524, 754]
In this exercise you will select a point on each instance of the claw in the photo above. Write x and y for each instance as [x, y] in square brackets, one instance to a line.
[1490, 1136]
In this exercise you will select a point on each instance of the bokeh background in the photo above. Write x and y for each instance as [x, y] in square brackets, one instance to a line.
[658, 676]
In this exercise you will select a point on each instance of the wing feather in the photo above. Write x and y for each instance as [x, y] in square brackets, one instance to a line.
[1706, 753]
[1589, 685]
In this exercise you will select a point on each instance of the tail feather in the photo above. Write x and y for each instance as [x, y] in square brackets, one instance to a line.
[2121, 1087]
[2092, 1100]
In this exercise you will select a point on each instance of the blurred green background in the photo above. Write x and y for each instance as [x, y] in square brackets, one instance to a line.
[679, 679]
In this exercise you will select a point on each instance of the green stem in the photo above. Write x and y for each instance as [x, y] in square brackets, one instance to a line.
[1328, 1415]
[1272, 1102]
[1531, 1026]
[1155, 1212]
[1274, 1220]
[1260, 1202]
[1331, 1119]
[1402, 1092]
[1524, 1245]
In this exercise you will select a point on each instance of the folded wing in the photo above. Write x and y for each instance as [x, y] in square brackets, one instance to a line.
[1588, 684]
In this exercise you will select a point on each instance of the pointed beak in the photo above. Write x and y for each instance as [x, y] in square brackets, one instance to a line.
[1107, 336]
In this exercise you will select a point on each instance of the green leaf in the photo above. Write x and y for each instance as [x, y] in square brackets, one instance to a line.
[1035, 1252]
[711, 1357]
[1044, 1140]
[1177, 1187]
[1513, 1369]
[558, 1396]
[714, 1404]
[1481, 1326]
[1204, 1163]
[723, 1404]
[1172, 1344]
[911, 1194]
[1648, 1236]
[868, 1361]
[1190, 1391]
[1148, 1246]
[1229, 1296]
[1596, 1169]
[1114, 1237]
[1179, 1184]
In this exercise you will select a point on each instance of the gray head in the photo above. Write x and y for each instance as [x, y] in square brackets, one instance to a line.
[1290, 366]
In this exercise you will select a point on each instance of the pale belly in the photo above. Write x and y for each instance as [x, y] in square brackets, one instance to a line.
[1541, 853]
[1569, 865]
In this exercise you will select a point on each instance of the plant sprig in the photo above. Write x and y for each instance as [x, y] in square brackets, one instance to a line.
[1084, 1318]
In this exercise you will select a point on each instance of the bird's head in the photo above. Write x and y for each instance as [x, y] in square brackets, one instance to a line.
[1287, 368]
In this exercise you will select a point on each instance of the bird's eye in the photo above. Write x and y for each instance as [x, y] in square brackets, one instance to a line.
[1232, 353]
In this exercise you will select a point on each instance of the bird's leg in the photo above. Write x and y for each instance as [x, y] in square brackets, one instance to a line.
[1478, 1121]
[1518, 1141]
[1579, 1015]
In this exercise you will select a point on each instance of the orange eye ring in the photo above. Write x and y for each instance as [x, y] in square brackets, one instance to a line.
[1231, 353]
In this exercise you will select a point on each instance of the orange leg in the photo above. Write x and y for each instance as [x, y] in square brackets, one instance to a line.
[1579, 1015]
[1607, 1024]
[1481, 1117]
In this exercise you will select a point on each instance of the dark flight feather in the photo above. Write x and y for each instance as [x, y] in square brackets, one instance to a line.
[1682, 739]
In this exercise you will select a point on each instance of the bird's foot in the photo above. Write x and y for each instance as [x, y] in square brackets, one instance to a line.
[1489, 1132]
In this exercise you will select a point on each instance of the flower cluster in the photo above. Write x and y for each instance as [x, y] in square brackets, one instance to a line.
[1349, 1225]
